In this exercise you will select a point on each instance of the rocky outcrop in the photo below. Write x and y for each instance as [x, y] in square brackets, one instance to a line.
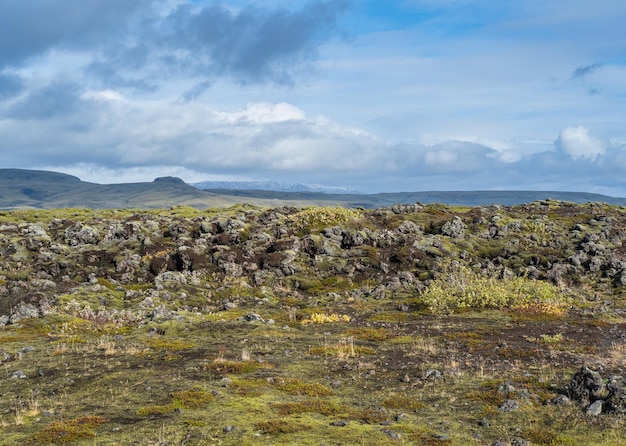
[382, 252]
[596, 394]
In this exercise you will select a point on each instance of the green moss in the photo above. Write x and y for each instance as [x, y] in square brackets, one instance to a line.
[323, 407]
[226, 367]
[280, 426]
[189, 399]
[294, 386]
[168, 344]
[192, 398]
[66, 432]
[320, 217]
[403, 402]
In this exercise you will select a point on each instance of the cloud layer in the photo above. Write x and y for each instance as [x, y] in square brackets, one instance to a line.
[379, 97]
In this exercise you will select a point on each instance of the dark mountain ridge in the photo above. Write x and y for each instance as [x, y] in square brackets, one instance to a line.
[24, 189]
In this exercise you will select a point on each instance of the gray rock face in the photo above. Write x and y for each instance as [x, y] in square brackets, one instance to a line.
[509, 406]
[586, 386]
[81, 235]
[616, 398]
[560, 400]
[24, 311]
[18, 374]
[454, 228]
[595, 408]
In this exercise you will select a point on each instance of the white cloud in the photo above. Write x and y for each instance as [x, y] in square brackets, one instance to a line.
[578, 143]
[441, 159]
[445, 98]
[265, 113]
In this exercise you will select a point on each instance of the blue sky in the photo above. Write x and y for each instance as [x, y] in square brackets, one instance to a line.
[401, 95]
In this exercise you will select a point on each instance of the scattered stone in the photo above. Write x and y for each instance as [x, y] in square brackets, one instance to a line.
[253, 317]
[509, 406]
[399, 417]
[405, 378]
[19, 374]
[391, 434]
[454, 228]
[24, 311]
[505, 389]
[560, 400]
[340, 423]
[229, 306]
[147, 303]
[484, 423]
[161, 313]
[228, 429]
[516, 441]
[432, 374]
[595, 408]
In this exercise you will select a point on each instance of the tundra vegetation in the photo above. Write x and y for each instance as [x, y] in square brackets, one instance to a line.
[412, 324]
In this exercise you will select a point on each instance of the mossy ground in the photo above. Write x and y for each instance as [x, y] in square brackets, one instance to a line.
[287, 383]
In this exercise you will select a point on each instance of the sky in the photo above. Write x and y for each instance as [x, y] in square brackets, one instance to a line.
[377, 96]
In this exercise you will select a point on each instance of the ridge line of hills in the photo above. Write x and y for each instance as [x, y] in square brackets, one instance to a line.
[37, 189]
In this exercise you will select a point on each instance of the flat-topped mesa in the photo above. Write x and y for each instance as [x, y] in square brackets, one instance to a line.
[171, 180]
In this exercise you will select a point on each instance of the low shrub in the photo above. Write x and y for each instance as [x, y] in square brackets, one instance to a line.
[321, 318]
[458, 287]
[276, 427]
[320, 217]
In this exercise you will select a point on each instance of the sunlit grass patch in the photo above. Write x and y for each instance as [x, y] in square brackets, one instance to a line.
[321, 318]
[188, 399]
[168, 344]
[222, 367]
[344, 348]
[280, 426]
[323, 407]
[68, 431]
[293, 386]
[403, 402]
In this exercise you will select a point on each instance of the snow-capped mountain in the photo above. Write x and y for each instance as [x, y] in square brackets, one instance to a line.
[273, 186]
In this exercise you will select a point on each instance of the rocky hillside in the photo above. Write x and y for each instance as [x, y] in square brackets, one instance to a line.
[308, 252]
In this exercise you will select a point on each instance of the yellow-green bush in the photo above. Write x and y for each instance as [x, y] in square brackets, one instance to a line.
[457, 287]
[321, 318]
[321, 217]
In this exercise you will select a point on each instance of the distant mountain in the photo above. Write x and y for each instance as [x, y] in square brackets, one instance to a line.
[454, 198]
[35, 189]
[23, 189]
[273, 186]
